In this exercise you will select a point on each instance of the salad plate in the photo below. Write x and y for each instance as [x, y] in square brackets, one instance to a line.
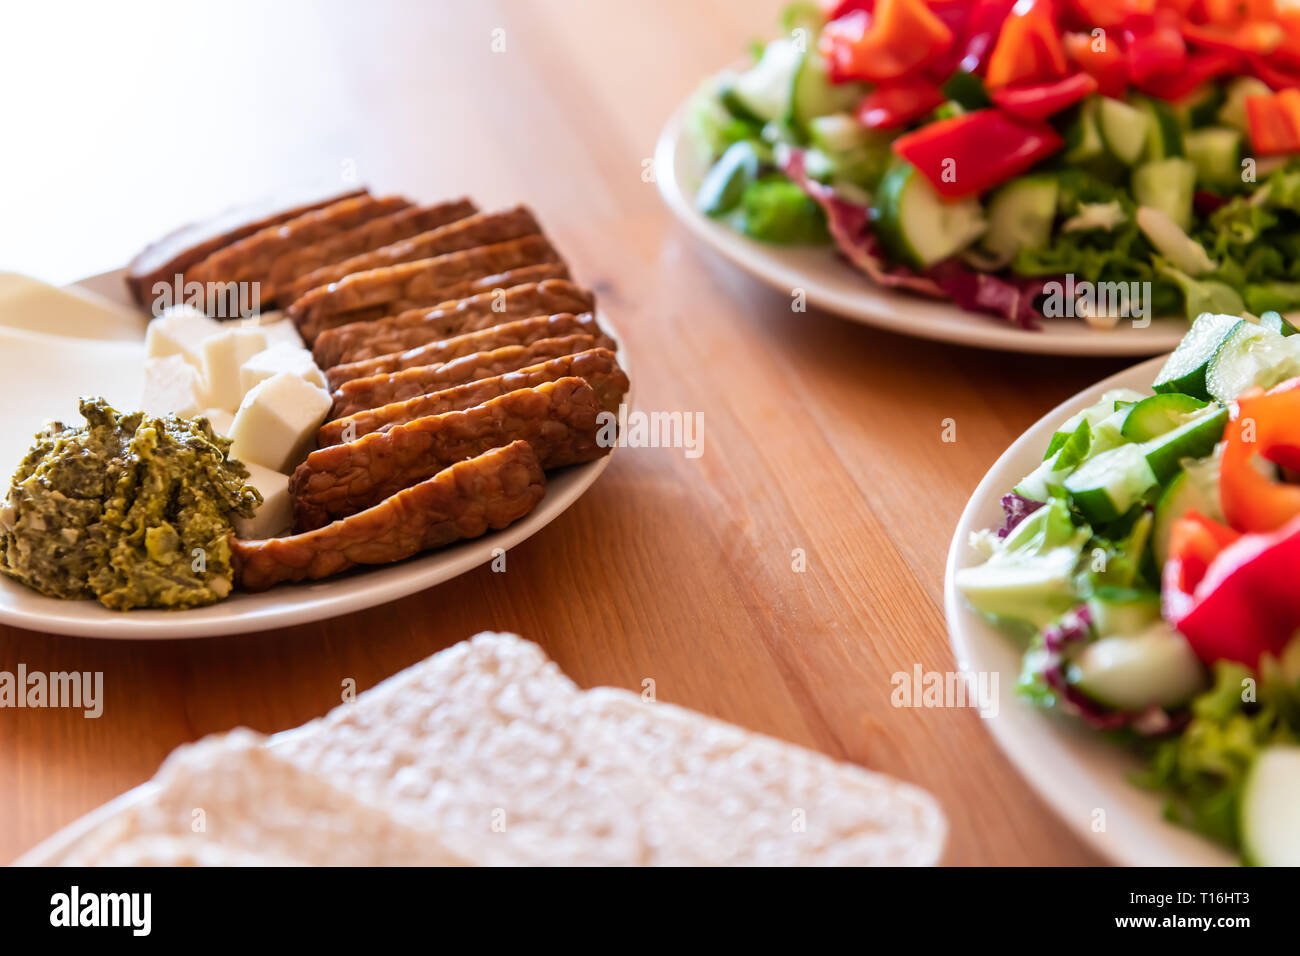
[1081, 776]
[831, 283]
[70, 363]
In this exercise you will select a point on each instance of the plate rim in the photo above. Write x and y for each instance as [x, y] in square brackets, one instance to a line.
[418, 573]
[875, 306]
[1146, 841]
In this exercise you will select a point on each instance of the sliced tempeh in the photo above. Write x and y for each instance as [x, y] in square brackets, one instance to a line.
[481, 229]
[464, 500]
[362, 393]
[251, 259]
[176, 252]
[597, 367]
[283, 281]
[363, 340]
[558, 419]
[519, 332]
[414, 282]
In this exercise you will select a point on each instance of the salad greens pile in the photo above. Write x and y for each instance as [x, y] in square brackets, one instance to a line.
[1146, 565]
[977, 172]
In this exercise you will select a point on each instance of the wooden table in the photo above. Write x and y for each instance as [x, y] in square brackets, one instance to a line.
[819, 434]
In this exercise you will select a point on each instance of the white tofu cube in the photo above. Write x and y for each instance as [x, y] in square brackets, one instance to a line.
[223, 356]
[221, 420]
[172, 386]
[276, 424]
[275, 514]
[180, 330]
[277, 359]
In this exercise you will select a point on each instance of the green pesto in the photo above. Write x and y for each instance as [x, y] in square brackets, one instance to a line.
[131, 510]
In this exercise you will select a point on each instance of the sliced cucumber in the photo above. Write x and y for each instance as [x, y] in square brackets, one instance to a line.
[1020, 215]
[1233, 111]
[1195, 438]
[1216, 153]
[1195, 487]
[1124, 129]
[1083, 137]
[814, 94]
[840, 133]
[916, 225]
[1111, 401]
[1278, 323]
[1153, 668]
[1123, 610]
[1199, 107]
[1270, 812]
[1183, 252]
[764, 90]
[1249, 355]
[1159, 414]
[725, 183]
[1167, 185]
[1164, 136]
[1108, 485]
[1184, 371]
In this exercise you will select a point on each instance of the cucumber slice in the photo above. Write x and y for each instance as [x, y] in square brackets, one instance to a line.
[1083, 137]
[1270, 812]
[1020, 215]
[1195, 487]
[725, 183]
[1154, 668]
[1123, 610]
[1184, 371]
[764, 90]
[1159, 414]
[840, 133]
[1199, 107]
[916, 225]
[815, 95]
[1195, 438]
[1249, 355]
[1167, 185]
[1164, 136]
[1107, 486]
[1124, 129]
[1233, 111]
[1183, 252]
[1278, 323]
[1216, 153]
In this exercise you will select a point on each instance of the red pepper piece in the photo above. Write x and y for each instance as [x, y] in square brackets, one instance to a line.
[1029, 47]
[900, 37]
[968, 154]
[1267, 424]
[896, 104]
[1100, 57]
[1041, 100]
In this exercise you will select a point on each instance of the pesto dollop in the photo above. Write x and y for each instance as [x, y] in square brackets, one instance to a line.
[132, 510]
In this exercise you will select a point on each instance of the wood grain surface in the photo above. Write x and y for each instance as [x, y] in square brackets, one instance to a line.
[819, 435]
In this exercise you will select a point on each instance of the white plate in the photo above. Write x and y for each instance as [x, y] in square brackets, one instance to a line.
[832, 284]
[1080, 775]
[289, 604]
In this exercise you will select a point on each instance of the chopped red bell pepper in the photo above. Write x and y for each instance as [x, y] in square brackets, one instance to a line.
[1273, 128]
[1259, 37]
[1041, 100]
[1106, 14]
[1154, 47]
[1266, 424]
[1277, 77]
[1101, 58]
[986, 19]
[900, 37]
[892, 105]
[968, 154]
[1235, 603]
[1029, 47]
[834, 9]
[1199, 68]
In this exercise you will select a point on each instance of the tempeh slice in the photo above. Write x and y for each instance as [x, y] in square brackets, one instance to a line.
[414, 282]
[285, 280]
[519, 332]
[558, 419]
[363, 340]
[362, 393]
[481, 229]
[251, 259]
[597, 367]
[464, 500]
[176, 252]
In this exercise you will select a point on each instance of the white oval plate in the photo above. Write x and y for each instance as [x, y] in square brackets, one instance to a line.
[289, 604]
[1078, 773]
[834, 285]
